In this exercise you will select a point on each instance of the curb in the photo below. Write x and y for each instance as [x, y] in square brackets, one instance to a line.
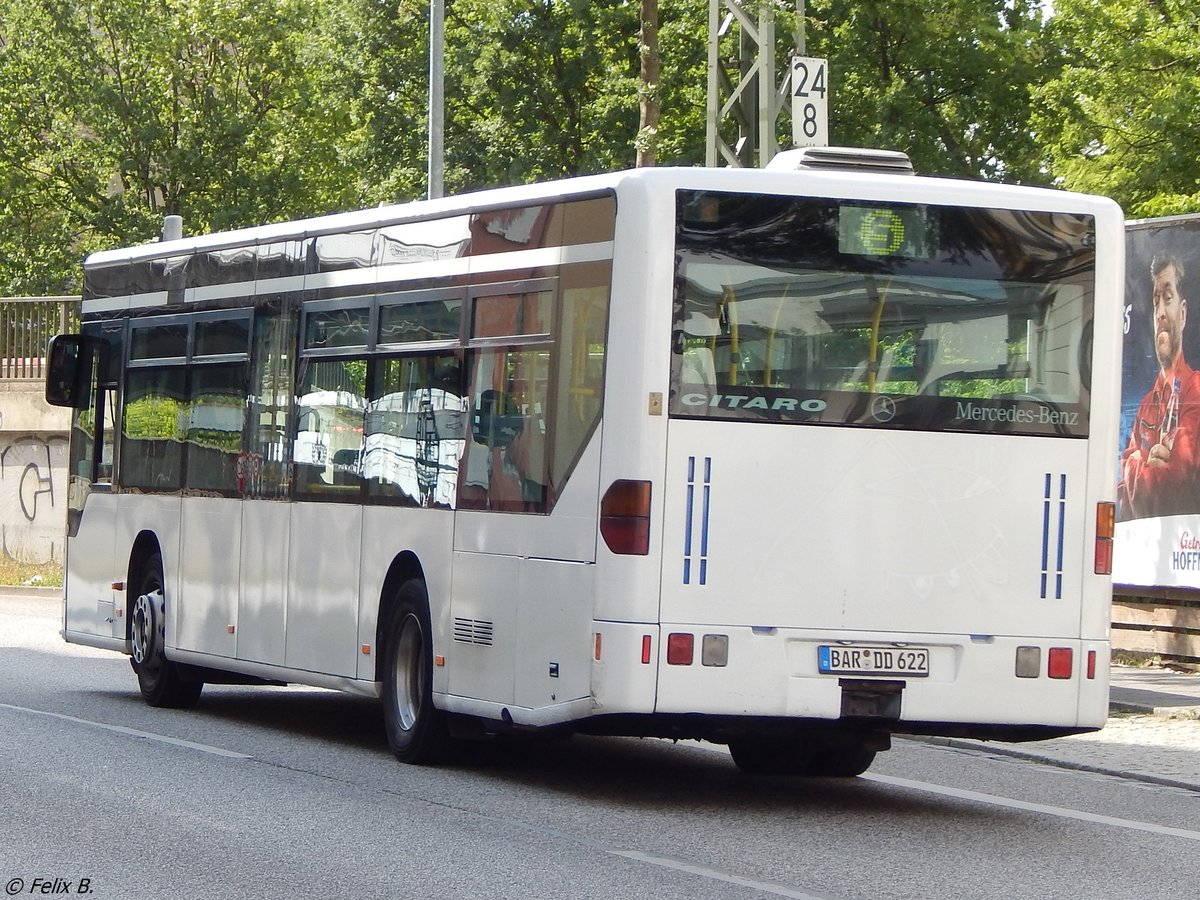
[985, 747]
[20, 590]
[1163, 712]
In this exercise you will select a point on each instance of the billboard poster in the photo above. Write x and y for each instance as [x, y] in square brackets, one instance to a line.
[1158, 491]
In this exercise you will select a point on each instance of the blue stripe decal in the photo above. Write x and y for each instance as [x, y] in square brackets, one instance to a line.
[1048, 507]
[1062, 524]
[1045, 534]
[689, 525]
[704, 521]
[691, 494]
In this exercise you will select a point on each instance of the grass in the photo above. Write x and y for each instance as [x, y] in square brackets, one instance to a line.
[30, 574]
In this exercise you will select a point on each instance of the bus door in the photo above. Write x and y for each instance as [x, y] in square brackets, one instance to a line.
[527, 504]
[264, 478]
[84, 371]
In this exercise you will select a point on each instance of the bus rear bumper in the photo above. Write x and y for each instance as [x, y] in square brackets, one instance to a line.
[971, 685]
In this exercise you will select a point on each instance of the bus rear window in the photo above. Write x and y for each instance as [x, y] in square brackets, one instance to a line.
[908, 316]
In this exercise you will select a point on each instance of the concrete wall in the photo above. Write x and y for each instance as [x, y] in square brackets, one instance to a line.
[33, 473]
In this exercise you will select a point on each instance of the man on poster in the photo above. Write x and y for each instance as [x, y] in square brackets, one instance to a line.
[1160, 464]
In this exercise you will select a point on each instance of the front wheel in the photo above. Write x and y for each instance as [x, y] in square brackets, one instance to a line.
[159, 679]
[416, 729]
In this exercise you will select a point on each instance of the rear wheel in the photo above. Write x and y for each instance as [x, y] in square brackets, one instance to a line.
[416, 730]
[756, 755]
[818, 755]
[159, 679]
[841, 759]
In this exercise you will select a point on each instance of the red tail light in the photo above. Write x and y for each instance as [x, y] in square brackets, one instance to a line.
[681, 649]
[1106, 519]
[625, 517]
[1062, 662]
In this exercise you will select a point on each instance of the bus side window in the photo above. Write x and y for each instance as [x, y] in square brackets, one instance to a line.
[264, 469]
[535, 399]
[106, 410]
[215, 416]
[505, 466]
[151, 440]
[329, 429]
[414, 429]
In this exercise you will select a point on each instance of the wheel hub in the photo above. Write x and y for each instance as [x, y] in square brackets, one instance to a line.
[144, 626]
[407, 673]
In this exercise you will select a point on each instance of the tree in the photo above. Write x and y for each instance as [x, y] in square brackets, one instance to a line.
[227, 112]
[1119, 119]
[535, 90]
[390, 47]
[548, 88]
[947, 81]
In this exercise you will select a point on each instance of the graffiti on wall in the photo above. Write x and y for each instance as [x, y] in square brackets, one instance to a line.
[33, 497]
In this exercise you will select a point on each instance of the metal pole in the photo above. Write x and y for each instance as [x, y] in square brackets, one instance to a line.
[767, 146]
[437, 97]
[712, 111]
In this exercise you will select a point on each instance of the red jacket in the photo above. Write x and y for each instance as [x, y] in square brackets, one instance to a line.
[1171, 488]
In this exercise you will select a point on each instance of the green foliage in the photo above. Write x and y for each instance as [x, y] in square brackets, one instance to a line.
[154, 417]
[683, 89]
[227, 112]
[946, 81]
[1119, 117]
[239, 112]
[386, 50]
[546, 89]
[356, 374]
[534, 90]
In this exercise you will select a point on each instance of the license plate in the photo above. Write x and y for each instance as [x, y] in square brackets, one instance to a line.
[912, 662]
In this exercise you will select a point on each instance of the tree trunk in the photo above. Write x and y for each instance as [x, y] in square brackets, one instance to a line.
[651, 111]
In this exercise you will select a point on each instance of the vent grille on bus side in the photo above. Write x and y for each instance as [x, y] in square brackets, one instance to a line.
[473, 631]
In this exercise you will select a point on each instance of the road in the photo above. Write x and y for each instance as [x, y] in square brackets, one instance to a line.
[288, 792]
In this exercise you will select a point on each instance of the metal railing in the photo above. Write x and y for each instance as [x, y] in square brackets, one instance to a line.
[26, 325]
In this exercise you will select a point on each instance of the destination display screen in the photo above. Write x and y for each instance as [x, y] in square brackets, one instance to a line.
[874, 230]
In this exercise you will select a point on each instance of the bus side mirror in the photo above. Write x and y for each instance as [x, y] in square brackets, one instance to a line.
[496, 420]
[70, 361]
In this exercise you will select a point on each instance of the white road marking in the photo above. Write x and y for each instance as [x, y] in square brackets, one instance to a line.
[1009, 803]
[679, 865]
[131, 732]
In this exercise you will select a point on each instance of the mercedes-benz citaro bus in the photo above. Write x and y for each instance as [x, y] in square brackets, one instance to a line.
[790, 459]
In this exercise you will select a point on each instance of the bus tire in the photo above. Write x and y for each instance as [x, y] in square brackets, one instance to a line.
[841, 760]
[160, 680]
[416, 729]
[756, 755]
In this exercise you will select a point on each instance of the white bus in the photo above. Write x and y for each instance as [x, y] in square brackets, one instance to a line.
[790, 460]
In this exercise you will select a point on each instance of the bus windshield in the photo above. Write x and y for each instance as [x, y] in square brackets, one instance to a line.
[892, 315]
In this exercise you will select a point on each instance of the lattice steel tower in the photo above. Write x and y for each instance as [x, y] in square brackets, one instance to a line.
[747, 85]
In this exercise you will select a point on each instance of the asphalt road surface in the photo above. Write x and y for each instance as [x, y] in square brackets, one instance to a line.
[291, 793]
